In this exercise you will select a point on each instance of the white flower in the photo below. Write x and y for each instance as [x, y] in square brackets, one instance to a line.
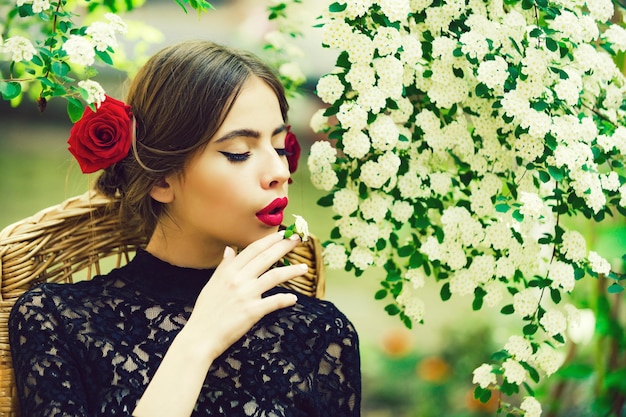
[329, 88]
[387, 40]
[562, 275]
[616, 36]
[95, 92]
[334, 256]
[519, 347]
[352, 116]
[356, 144]
[574, 246]
[416, 277]
[395, 10]
[345, 202]
[514, 372]
[601, 10]
[548, 359]
[301, 227]
[116, 22]
[360, 49]
[598, 264]
[525, 302]
[319, 122]
[20, 48]
[531, 407]
[372, 175]
[413, 306]
[532, 205]
[495, 293]
[361, 258]
[321, 155]
[554, 322]
[484, 376]
[401, 211]
[493, 73]
[102, 35]
[610, 181]
[376, 206]
[40, 6]
[80, 50]
[383, 133]
[292, 71]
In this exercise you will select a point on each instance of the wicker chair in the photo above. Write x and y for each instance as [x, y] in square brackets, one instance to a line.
[76, 240]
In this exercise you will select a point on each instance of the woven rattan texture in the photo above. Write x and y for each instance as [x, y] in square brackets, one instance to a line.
[76, 240]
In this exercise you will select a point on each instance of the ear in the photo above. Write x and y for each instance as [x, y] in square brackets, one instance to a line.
[162, 191]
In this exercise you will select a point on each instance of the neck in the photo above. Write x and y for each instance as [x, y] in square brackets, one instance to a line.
[183, 251]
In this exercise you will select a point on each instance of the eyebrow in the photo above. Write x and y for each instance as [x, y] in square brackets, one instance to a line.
[248, 133]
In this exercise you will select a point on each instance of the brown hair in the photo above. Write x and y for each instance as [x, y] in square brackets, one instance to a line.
[179, 98]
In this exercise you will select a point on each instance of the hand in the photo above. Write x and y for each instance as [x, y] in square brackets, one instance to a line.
[231, 303]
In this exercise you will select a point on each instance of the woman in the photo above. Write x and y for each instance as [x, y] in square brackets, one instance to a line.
[205, 171]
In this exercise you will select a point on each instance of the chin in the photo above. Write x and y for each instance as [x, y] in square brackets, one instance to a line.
[258, 234]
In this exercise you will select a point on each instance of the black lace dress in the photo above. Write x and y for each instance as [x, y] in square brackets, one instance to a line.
[90, 349]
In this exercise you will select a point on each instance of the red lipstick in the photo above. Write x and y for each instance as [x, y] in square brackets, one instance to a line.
[272, 214]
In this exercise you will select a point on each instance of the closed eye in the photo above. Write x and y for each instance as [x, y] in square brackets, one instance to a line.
[236, 157]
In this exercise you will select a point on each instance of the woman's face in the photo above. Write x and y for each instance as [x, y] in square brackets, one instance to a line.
[234, 191]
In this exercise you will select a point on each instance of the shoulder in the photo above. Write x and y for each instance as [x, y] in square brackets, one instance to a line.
[52, 296]
[318, 315]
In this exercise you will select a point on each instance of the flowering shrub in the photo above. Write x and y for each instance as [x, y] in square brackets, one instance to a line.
[61, 61]
[464, 133]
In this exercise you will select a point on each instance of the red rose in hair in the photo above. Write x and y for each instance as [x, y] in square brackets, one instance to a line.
[292, 149]
[100, 139]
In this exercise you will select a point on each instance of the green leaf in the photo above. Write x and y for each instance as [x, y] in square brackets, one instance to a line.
[326, 201]
[10, 90]
[482, 90]
[380, 294]
[337, 7]
[392, 309]
[556, 173]
[60, 68]
[517, 215]
[416, 260]
[556, 295]
[507, 309]
[105, 57]
[551, 44]
[445, 292]
[530, 329]
[75, 109]
[502, 208]
[615, 288]
[405, 251]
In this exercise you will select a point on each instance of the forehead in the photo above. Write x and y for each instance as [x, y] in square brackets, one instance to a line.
[256, 106]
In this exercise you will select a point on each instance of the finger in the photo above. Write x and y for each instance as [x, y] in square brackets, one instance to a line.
[276, 302]
[257, 247]
[279, 275]
[268, 257]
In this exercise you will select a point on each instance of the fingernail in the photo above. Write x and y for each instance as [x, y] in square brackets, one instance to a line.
[304, 267]
[295, 236]
[228, 250]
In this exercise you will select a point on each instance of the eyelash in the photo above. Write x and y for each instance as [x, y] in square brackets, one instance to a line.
[240, 157]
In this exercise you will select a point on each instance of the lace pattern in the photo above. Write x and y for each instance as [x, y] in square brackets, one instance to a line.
[90, 349]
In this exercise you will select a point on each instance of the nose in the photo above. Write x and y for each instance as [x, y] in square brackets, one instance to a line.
[275, 170]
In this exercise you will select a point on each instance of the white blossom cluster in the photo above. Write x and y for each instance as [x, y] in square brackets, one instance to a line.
[474, 145]
[100, 36]
[73, 49]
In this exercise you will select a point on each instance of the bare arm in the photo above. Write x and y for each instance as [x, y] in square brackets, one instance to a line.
[228, 306]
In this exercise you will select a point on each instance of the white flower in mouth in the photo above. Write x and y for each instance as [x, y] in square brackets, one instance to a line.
[299, 227]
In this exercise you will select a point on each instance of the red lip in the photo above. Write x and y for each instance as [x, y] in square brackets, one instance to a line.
[272, 214]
